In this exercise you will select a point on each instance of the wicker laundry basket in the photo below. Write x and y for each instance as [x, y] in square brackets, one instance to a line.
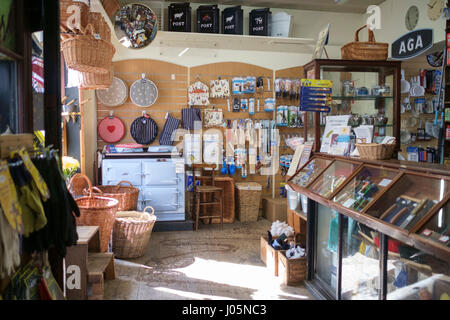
[94, 81]
[126, 195]
[131, 233]
[248, 199]
[85, 53]
[100, 26]
[97, 211]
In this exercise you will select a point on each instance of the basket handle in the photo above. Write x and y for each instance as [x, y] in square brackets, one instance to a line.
[371, 34]
[123, 181]
[80, 175]
[89, 29]
[97, 190]
[153, 210]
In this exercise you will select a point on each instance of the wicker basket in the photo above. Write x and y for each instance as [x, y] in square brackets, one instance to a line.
[375, 151]
[64, 15]
[370, 50]
[269, 256]
[248, 199]
[131, 233]
[87, 54]
[111, 7]
[94, 81]
[100, 26]
[97, 211]
[126, 195]
[291, 271]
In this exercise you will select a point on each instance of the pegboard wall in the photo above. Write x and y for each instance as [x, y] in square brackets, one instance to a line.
[173, 81]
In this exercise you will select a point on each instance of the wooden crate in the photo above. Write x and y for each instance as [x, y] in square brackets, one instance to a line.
[270, 256]
[291, 271]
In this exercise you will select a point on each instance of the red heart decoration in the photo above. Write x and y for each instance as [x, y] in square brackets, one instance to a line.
[111, 128]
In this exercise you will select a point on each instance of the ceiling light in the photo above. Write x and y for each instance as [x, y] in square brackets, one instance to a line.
[183, 52]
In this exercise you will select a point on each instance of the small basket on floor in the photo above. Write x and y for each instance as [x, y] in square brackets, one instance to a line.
[131, 233]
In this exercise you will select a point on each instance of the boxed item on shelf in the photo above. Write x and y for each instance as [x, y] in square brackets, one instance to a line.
[260, 22]
[233, 20]
[208, 19]
[180, 17]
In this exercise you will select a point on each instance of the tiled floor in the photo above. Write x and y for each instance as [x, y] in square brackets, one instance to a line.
[208, 264]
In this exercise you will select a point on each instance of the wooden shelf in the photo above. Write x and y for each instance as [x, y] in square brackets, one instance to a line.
[234, 42]
[9, 54]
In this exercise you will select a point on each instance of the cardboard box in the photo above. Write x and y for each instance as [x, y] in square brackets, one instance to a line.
[275, 209]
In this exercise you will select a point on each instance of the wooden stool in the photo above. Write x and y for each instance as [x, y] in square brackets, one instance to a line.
[206, 189]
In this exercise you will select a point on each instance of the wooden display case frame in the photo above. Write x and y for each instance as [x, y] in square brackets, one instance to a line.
[408, 237]
[360, 66]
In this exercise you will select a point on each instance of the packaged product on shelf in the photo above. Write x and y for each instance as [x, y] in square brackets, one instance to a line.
[282, 116]
[251, 106]
[249, 85]
[293, 116]
[237, 85]
[269, 105]
[244, 104]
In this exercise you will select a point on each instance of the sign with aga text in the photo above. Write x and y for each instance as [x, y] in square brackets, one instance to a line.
[412, 44]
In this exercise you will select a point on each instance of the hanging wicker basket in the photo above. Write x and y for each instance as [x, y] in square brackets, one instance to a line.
[126, 195]
[94, 81]
[97, 211]
[100, 26]
[111, 7]
[66, 13]
[131, 234]
[85, 53]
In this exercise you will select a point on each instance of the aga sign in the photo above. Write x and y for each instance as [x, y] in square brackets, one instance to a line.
[412, 44]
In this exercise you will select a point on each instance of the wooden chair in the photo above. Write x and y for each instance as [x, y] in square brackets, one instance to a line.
[202, 189]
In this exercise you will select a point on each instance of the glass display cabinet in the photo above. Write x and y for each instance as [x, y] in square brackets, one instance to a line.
[380, 233]
[369, 90]
[311, 170]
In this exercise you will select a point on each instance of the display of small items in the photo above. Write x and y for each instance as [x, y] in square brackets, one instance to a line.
[357, 198]
[309, 173]
[290, 116]
[349, 90]
[287, 88]
[407, 211]
[285, 163]
[329, 184]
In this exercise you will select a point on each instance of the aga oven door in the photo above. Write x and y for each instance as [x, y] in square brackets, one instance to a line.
[167, 202]
[116, 170]
[160, 172]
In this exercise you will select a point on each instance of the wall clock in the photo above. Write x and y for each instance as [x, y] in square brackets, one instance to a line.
[412, 18]
[435, 9]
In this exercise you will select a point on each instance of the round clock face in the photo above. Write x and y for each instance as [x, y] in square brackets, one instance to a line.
[412, 18]
[435, 9]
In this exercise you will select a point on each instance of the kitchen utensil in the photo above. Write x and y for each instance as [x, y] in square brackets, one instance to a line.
[115, 95]
[143, 92]
[111, 129]
[405, 85]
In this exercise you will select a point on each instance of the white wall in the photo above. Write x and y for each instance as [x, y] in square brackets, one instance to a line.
[306, 24]
[393, 14]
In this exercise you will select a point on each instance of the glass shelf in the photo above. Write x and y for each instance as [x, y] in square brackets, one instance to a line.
[310, 171]
[409, 199]
[333, 177]
[438, 228]
[364, 187]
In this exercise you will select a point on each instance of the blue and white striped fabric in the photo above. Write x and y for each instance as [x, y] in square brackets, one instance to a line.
[170, 127]
[190, 116]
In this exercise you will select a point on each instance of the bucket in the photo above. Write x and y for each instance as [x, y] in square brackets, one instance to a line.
[293, 199]
[304, 202]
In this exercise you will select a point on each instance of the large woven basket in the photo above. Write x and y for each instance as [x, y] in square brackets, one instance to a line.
[126, 195]
[111, 7]
[66, 14]
[94, 81]
[85, 53]
[97, 211]
[375, 151]
[370, 50]
[100, 26]
[248, 199]
[131, 233]
[291, 271]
